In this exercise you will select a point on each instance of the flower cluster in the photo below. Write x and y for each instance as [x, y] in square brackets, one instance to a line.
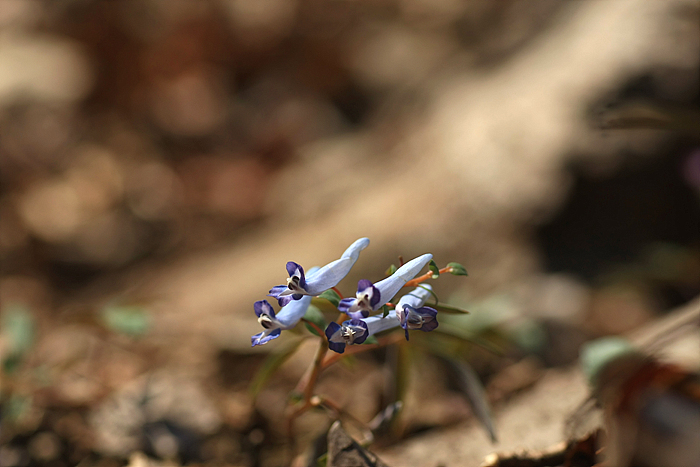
[295, 297]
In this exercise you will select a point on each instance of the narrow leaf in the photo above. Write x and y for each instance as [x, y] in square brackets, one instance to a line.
[437, 300]
[272, 364]
[133, 321]
[371, 340]
[457, 269]
[324, 305]
[18, 329]
[332, 296]
[474, 392]
[392, 269]
[434, 268]
[385, 310]
[315, 316]
[445, 308]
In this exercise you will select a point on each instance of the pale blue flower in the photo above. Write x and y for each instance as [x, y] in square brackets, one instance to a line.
[319, 281]
[371, 297]
[286, 318]
[356, 331]
[411, 312]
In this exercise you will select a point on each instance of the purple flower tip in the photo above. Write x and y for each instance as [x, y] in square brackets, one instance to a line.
[265, 337]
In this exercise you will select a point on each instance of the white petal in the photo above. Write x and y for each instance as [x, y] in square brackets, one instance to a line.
[392, 284]
[377, 324]
[289, 315]
[416, 298]
[332, 273]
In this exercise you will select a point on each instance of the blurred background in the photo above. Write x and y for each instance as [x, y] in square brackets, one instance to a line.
[161, 161]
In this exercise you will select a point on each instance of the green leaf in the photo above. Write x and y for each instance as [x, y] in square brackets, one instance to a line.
[130, 320]
[371, 340]
[18, 328]
[445, 308]
[457, 269]
[391, 270]
[272, 364]
[322, 461]
[16, 407]
[11, 363]
[332, 296]
[437, 300]
[385, 310]
[324, 305]
[473, 391]
[315, 316]
[434, 268]
[295, 397]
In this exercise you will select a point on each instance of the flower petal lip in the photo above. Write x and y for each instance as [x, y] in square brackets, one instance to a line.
[265, 337]
[356, 331]
[334, 336]
[412, 314]
[286, 318]
[263, 307]
[366, 298]
[315, 283]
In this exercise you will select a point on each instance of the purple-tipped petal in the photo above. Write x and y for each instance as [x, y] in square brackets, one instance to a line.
[276, 291]
[427, 312]
[360, 306]
[360, 330]
[353, 331]
[345, 304]
[368, 292]
[263, 307]
[353, 308]
[424, 318]
[332, 329]
[335, 339]
[429, 325]
[264, 337]
[363, 284]
[358, 314]
[285, 299]
[337, 347]
[296, 271]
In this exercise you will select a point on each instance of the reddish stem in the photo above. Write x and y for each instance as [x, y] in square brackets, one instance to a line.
[313, 325]
[424, 277]
[338, 292]
[388, 340]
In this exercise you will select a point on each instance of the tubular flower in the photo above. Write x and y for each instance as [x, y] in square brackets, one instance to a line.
[298, 285]
[371, 297]
[412, 314]
[287, 318]
[356, 331]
